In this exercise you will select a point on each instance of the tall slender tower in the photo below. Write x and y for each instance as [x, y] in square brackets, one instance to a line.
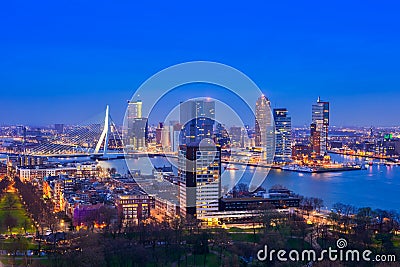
[200, 179]
[136, 132]
[319, 127]
[283, 135]
[198, 119]
[134, 109]
[264, 128]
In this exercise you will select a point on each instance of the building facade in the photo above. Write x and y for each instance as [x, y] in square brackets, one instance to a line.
[136, 132]
[133, 208]
[200, 180]
[319, 127]
[197, 118]
[264, 128]
[283, 135]
[27, 174]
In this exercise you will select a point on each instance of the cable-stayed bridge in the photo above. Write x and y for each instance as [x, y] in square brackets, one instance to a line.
[97, 137]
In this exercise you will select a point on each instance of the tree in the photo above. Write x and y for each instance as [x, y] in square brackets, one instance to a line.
[10, 222]
[106, 215]
[268, 215]
[306, 204]
[318, 203]
[380, 215]
[240, 190]
[25, 225]
[10, 201]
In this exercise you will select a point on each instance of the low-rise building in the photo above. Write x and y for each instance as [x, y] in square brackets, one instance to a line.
[133, 208]
[28, 173]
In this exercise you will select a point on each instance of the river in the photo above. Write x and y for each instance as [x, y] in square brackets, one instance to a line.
[377, 187]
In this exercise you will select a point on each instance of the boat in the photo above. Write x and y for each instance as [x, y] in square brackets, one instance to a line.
[230, 167]
[297, 168]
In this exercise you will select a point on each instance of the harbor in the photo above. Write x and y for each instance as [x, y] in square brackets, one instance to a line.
[361, 188]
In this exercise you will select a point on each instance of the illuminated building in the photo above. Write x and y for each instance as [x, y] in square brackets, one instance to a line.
[235, 135]
[264, 132]
[164, 208]
[133, 208]
[3, 170]
[87, 170]
[283, 135]
[197, 118]
[159, 132]
[319, 127]
[200, 179]
[174, 132]
[166, 138]
[39, 172]
[136, 132]
[300, 150]
[134, 109]
[54, 188]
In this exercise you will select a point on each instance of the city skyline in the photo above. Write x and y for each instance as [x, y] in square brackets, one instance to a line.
[347, 55]
[154, 121]
[203, 133]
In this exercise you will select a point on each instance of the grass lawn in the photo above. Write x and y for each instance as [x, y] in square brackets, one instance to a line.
[296, 243]
[396, 241]
[18, 212]
[244, 237]
[8, 244]
[246, 230]
[20, 261]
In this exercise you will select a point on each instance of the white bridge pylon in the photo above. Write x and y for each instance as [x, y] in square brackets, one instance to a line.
[104, 134]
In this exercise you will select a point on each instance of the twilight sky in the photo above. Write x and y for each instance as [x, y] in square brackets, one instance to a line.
[63, 61]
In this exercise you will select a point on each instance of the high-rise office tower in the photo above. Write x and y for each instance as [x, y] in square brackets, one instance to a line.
[134, 109]
[199, 168]
[166, 138]
[221, 135]
[283, 135]
[235, 135]
[159, 129]
[136, 133]
[175, 130]
[197, 118]
[264, 128]
[319, 127]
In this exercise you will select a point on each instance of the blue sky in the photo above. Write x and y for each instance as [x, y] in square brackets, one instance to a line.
[63, 61]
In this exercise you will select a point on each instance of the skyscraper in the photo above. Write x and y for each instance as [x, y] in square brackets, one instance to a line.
[264, 128]
[319, 127]
[235, 134]
[134, 109]
[200, 179]
[283, 135]
[221, 135]
[197, 118]
[136, 132]
[175, 130]
[166, 138]
[159, 129]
